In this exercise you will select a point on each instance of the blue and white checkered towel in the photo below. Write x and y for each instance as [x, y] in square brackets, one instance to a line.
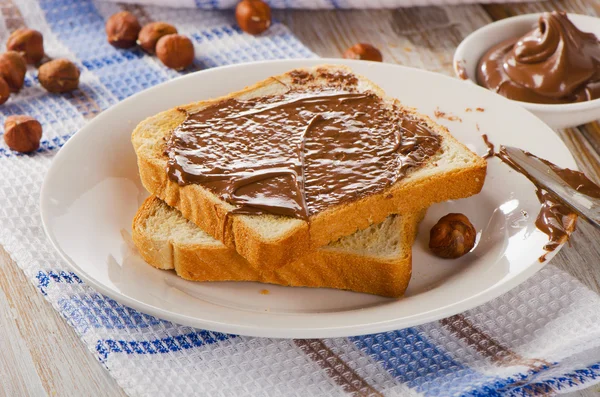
[542, 337]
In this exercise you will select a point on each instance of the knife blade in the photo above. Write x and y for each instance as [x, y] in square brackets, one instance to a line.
[585, 206]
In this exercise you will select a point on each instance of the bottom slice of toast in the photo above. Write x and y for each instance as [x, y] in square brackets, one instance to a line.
[376, 260]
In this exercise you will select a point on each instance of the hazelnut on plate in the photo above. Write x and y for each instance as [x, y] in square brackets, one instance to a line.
[22, 133]
[59, 75]
[4, 91]
[27, 42]
[13, 69]
[452, 236]
[151, 33]
[363, 51]
[175, 51]
[253, 16]
[122, 29]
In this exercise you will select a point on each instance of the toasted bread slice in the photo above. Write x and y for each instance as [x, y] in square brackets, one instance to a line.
[272, 241]
[376, 260]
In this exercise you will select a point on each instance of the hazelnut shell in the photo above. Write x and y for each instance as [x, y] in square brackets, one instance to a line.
[363, 51]
[452, 236]
[253, 16]
[175, 51]
[122, 29]
[13, 69]
[4, 91]
[29, 43]
[151, 33]
[22, 133]
[59, 75]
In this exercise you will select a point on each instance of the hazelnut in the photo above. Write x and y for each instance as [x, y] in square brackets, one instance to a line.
[253, 16]
[150, 34]
[175, 51]
[29, 43]
[363, 51]
[59, 75]
[452, 237]
[122, 29]
[13, 69]
[22, 133]
[4, 91]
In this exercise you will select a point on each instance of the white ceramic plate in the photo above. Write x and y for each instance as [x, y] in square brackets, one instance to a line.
[92, 192]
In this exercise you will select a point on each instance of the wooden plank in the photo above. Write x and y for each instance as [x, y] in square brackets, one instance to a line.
[10, 13]
[500, 11]
[421, 37]
[587, 157]
[45, 353]
[18, 376]
[591, 134]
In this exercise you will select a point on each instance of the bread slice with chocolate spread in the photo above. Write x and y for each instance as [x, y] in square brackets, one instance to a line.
[376, 260]
[299, 160]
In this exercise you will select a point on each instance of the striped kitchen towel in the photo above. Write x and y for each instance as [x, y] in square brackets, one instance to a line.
[542, 337]
[311, 4]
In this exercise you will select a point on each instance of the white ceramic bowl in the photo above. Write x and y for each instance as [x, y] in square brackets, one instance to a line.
[472, 48]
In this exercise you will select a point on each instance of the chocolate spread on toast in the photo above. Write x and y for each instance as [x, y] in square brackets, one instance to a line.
[298, 153]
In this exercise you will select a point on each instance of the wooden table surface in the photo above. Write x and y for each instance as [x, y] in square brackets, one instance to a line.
[41, 355]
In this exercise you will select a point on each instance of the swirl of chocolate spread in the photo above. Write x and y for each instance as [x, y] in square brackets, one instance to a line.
[298, 153]
[554, 63]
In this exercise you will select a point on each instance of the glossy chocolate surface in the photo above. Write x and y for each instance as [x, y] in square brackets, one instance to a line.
[490, 147]
[300, 152]
[554, 63]
[555, 218]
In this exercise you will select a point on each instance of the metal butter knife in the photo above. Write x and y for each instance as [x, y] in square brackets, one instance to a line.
[585, 206]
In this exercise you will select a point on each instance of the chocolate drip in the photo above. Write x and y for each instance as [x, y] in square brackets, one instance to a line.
[551, 219]
[556, 219]
[490, 147]
[554, 63]
[297, 153]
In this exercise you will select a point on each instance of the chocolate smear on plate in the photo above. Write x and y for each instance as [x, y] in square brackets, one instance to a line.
[556, 219]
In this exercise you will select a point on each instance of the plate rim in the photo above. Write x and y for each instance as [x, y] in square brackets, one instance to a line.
[274, 332]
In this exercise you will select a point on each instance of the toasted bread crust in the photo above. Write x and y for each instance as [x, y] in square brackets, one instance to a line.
[323, 268]
[400, 199]
[210, 213]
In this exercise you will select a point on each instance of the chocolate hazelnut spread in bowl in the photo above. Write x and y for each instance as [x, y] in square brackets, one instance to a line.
[549, 63]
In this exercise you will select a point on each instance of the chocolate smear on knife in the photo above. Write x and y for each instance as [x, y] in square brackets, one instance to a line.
[490, 147]
[555, 219]
[298, 153]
